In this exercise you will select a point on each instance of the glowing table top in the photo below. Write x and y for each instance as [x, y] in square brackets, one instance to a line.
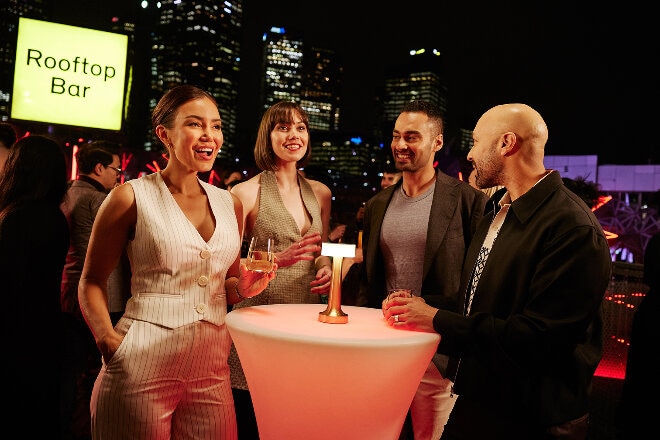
[311, 379]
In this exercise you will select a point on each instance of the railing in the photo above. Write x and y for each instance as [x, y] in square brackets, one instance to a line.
[624, 293]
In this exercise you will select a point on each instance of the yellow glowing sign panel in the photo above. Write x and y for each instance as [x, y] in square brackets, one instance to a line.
[69, 75]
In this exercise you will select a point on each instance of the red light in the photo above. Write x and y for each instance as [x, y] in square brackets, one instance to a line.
[601, 201]
[74, 163]
[213, 177]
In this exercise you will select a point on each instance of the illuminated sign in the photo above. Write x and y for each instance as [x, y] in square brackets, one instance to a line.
[69, 75]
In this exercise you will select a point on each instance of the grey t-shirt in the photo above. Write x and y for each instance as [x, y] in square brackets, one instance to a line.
[403, 239]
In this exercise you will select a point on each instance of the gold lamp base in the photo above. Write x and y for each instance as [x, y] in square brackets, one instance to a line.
[332, 316]
[333, 313]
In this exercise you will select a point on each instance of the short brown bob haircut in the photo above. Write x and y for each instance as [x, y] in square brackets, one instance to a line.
[282, 112]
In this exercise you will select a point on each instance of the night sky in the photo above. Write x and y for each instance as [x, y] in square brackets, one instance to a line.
[589, 70]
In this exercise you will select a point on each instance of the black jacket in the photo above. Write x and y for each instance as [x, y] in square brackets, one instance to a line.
[533, 338]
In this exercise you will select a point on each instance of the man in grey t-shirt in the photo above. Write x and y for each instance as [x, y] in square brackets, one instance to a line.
[415, 236]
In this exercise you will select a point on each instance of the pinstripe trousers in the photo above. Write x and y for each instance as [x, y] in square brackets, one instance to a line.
[165, 383]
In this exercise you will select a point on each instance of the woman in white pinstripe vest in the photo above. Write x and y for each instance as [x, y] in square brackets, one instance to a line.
[165, 372]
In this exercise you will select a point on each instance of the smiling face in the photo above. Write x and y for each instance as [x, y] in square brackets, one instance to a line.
[414, 141]
[289, 140]
[195, 136]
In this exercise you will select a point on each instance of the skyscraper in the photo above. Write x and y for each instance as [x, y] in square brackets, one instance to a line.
[199, 43]
[418, 77]
[282, 66]
[309, 76]
[321, 88]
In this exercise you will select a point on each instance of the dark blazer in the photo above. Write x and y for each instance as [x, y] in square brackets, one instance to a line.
[455, 212]
[83, 200]
[533, 338]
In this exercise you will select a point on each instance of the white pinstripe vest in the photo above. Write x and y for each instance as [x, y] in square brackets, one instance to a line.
[178, 278]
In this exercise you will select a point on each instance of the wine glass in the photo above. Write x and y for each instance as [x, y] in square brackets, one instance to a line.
[260, 255]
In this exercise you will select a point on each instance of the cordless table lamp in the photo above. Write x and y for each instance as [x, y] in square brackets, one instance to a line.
[337, 251]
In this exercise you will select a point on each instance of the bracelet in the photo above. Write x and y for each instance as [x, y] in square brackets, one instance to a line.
[240, 297]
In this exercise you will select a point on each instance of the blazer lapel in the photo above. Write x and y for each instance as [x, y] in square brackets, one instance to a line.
[379, 206]
[445, 200]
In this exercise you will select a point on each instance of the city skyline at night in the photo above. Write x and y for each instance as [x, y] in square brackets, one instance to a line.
[586, 69]
[588, 72]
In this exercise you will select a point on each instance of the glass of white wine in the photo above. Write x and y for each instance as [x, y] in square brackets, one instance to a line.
[260, 255]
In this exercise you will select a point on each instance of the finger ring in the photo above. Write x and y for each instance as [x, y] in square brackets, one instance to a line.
[396, 318]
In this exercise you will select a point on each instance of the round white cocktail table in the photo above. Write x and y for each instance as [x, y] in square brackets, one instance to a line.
[315, 380]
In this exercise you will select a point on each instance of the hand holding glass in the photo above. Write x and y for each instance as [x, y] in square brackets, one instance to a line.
[393, 293]
[260, 255]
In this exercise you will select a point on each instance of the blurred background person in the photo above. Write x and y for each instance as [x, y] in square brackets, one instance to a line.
[294, 211]
[8, 135]
[390, 177]
[99, 169]
[337, 231]
[230, 176]
[34, 238]
[585, 189]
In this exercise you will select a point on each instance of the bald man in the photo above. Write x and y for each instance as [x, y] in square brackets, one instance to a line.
[529, 337]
